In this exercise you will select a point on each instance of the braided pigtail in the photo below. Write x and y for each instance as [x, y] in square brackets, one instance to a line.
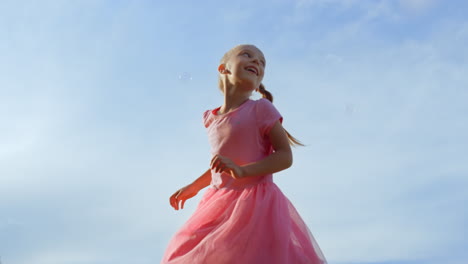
[266, 94]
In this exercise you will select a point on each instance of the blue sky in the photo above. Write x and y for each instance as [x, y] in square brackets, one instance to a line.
[100, 122]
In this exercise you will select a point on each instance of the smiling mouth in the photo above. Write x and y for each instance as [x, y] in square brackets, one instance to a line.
[252, 70]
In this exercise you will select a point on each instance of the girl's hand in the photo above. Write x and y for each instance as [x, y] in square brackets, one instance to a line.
[220, 163]
[183, 194]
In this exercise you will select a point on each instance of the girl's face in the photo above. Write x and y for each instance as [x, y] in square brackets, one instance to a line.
[245, 67]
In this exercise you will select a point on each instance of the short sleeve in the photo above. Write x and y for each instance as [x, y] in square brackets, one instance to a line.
[206, 115]
[267, 115]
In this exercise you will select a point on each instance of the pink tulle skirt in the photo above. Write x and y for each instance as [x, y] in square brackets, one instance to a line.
[254, 225]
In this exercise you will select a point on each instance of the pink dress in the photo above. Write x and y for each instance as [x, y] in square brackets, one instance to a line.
[245, 221]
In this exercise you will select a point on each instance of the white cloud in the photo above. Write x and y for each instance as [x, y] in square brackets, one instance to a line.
[417, 5]
[308, 3]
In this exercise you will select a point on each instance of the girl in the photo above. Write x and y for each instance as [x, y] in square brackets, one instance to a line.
[243, 218]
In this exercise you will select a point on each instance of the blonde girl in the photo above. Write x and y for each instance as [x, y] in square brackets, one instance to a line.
[243, 217]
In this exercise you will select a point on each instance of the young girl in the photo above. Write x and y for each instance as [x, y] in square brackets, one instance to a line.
[243, 218]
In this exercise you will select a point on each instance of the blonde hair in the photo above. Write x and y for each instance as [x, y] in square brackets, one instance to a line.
[261, 89]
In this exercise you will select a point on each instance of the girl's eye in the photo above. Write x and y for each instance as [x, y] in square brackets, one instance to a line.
[246, 53]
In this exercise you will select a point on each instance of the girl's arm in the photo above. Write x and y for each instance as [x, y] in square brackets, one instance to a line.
[177, 200]
[202, 181]
[279, 160]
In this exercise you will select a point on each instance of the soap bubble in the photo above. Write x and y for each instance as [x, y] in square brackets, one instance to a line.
[185, 76]
[350, 108]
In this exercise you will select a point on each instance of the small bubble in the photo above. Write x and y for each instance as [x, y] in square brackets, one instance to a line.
[185, 76]
[350, 108]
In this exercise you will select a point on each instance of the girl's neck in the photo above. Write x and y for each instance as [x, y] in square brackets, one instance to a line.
[231, 102]
[234, 96]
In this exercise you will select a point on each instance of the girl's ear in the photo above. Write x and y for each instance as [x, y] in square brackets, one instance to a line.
[221, 68]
